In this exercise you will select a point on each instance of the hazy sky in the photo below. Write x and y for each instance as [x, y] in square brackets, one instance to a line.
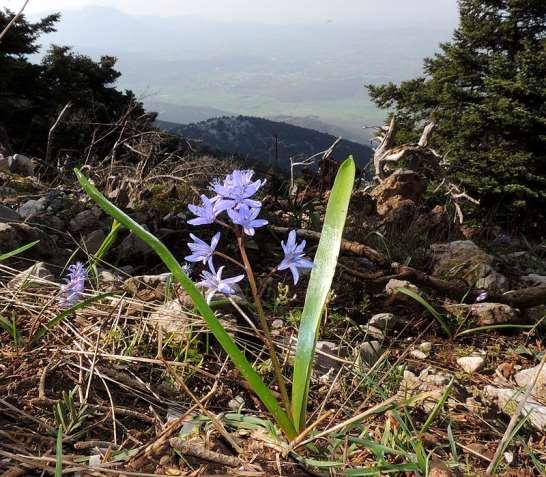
[274, 11]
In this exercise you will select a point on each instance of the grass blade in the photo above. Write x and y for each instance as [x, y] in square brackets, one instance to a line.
[17, 251]
[495, 327]
[59, 454]
[319, 287]
[437, 408]
[225, 340]
[419, 299]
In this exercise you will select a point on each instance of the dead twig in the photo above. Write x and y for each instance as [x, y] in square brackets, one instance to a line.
[13, 20]
[197, 450]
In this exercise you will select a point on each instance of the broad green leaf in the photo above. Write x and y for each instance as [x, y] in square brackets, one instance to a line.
[17, 251]
[225, 340]
[319, 287]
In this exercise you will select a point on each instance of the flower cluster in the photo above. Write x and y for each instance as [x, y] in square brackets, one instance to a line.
[235, 197]
[72, 290]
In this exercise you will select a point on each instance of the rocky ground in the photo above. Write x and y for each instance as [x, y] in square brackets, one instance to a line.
[428, 380]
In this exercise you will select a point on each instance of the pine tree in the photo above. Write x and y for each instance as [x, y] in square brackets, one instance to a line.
[486, 90]
[32, 95]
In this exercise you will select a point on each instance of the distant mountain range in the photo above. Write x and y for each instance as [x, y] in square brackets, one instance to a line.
[266, 142]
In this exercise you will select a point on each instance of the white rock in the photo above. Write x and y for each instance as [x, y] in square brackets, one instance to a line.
[393, 286]
[372, 331]
[417, 354]
[277, 324]
[33, 207]
[383, 321]
[426, 347]
[471, 364]
[370, 352]
[21, 164]
[509, 399]
[526, 377]
[8, 215]
[35, 276]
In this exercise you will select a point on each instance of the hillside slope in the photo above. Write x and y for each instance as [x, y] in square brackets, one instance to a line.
[256, 139]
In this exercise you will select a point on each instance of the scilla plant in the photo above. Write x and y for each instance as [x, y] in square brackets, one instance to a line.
[234, 197]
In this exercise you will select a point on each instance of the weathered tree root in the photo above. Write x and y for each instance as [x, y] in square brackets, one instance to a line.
[523, 298]
[346, 245]
[196, 450]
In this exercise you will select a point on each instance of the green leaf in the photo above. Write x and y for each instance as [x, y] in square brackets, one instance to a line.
[437, 408]
[59, 454]
[319, 287]
[383, 469]
[17, 251]
[495, 327]
[225, 340]
[419, 299]
[40, 332]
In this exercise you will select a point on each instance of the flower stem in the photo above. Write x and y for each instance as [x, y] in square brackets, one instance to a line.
[263, 321]
[232, 260]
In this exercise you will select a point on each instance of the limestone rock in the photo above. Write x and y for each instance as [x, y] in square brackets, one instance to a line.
[86, 220]
[429, 380]
[33, 207]
[418, 354]
[508, 400]
[93, 241]
[8, 215]
[35, 276]
[21, 164]
[465, 260]
[9, 239]
[383, 321]
[393, 286]
[484, 314]
[425, 347]
[370, 352]
[373, 332]
[471, 364]
[525, 378]
[15, 234]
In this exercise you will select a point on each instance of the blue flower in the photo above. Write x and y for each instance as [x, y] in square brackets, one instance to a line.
[202, 251]
[72, 291]
[215, 284]
[236, 190]
[246, 218]
[205, 214]
[294, 258]
[484, 295]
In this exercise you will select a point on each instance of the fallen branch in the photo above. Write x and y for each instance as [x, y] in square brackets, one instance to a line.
[523, 298]
[199, 451]
[355, 248]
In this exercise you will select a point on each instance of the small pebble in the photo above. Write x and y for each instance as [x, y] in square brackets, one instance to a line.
[471, 364]
[417, 354]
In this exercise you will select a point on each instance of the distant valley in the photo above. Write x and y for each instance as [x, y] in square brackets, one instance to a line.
[191, 69]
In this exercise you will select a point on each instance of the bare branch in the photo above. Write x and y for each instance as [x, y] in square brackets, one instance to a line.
[13, 20]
